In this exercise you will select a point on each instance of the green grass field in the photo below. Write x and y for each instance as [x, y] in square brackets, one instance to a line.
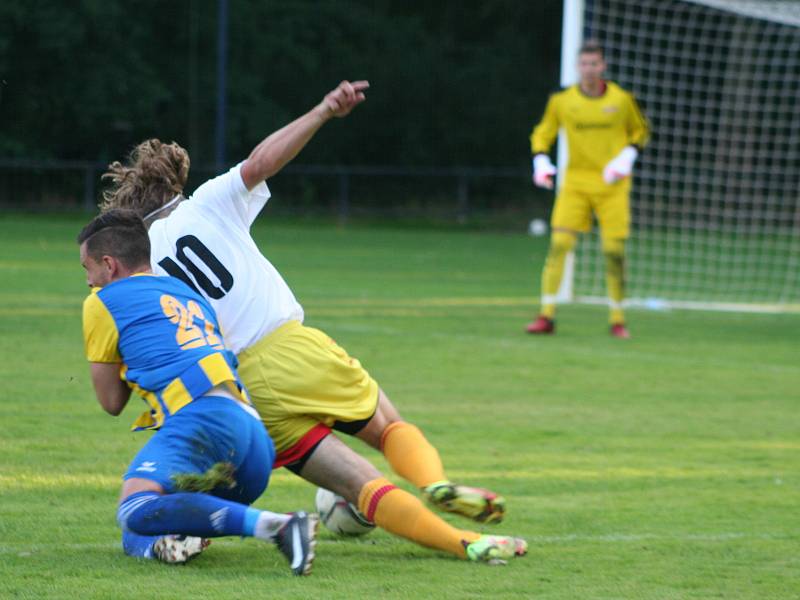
[667, 466]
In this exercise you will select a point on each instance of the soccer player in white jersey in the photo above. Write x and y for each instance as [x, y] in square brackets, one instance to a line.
[301, 382]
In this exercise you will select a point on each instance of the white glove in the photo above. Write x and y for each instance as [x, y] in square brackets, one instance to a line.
[621, 166]
[543, 171]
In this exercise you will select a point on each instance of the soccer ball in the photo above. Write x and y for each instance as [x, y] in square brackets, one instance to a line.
[537, 228]
[339, 516]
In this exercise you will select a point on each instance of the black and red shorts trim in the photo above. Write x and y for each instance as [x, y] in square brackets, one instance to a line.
[295, 458]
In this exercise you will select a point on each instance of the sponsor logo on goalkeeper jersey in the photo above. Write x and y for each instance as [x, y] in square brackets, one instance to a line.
[592, 125]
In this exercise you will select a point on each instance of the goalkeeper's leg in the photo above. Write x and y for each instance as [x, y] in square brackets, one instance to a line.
[614, 252]
[561, 243]
[613, 214]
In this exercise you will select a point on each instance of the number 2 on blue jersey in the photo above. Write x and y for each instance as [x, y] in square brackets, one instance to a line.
[188, 334]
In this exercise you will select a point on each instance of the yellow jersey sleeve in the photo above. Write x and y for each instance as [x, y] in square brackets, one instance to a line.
[100, 335]
[637, 126]
[544, 134]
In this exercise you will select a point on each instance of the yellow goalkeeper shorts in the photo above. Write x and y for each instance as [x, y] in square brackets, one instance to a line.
[574, 208]
[302, 383]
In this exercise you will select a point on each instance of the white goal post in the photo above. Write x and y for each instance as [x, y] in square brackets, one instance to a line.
[716, 196]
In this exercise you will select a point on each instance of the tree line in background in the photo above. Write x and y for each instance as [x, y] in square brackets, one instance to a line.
[452, 83]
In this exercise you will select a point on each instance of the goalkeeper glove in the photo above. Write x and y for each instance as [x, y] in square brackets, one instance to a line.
[621, 166]
[543, 171]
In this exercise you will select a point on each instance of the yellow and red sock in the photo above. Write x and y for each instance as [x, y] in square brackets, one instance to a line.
[403, 514]
[411, 455]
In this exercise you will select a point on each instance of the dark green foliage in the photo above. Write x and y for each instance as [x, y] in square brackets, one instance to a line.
[452, 83]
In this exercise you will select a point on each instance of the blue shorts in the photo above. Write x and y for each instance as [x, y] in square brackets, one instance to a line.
[207, 431]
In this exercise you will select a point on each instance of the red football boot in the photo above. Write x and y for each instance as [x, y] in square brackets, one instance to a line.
[542, 325]
[618, 330]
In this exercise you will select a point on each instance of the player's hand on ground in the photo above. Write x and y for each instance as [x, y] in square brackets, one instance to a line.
[543, 171]
[620, 166]
[345, 97]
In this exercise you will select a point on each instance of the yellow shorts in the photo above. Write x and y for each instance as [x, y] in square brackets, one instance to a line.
[573, 210]
[302, 383]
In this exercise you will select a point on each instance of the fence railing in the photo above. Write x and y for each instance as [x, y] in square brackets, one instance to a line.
[450, 193]
[32, 183]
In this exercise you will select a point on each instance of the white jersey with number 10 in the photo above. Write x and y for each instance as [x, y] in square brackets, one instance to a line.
[206, 242]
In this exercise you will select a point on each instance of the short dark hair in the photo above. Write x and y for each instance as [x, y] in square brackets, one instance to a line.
[119, 233]
[591, 47]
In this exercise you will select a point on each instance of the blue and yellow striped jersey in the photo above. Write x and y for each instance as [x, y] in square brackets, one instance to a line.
[166, 338]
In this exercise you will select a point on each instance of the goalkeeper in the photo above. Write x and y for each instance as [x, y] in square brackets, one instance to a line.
[605, 130]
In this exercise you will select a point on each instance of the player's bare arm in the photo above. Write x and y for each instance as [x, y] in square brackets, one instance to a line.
[344, 98]
[280, 147]
[112, 393]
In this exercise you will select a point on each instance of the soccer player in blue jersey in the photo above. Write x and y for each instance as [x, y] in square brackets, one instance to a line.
[302, 383]
[210, 456]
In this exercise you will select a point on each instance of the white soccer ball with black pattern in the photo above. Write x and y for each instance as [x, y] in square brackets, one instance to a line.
[339, 516]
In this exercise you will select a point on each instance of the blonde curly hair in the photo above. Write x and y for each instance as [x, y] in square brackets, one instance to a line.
[153, 175]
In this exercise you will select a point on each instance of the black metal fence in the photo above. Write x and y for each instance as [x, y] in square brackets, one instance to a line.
[448, 194]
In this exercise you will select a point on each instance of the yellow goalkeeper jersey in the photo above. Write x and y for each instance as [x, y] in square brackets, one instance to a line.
[597, 128]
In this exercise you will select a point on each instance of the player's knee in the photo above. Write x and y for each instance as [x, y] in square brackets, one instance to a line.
[614, 249]
[386, 408]
[131, 510]
[562, 242]
[384, 417]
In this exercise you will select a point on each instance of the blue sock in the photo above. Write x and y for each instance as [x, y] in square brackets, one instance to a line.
[201, 515]
[140, 546]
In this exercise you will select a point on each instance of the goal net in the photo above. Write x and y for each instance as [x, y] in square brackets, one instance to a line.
[716, 196]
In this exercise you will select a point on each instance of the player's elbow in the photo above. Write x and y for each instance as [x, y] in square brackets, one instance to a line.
[111, 407]
[257, 169]
[112, 402]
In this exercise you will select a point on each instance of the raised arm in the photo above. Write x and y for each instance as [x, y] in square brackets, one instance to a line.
[280, 147]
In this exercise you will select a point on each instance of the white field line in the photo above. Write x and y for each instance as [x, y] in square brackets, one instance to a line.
[639, 537]
[419, 307]
[609, 538]
[743, 307]
[26, 482]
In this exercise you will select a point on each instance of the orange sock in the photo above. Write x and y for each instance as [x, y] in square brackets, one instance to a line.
[402, 514]
[411, 455]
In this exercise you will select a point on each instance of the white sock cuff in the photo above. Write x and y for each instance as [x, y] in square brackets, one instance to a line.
[269, 524]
